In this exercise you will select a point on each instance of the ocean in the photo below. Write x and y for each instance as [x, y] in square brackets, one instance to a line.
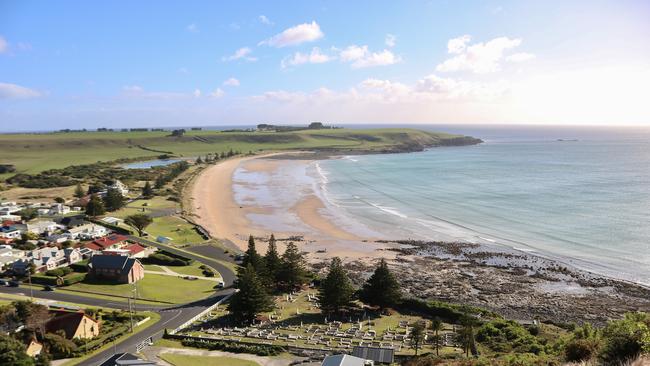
[580, 195]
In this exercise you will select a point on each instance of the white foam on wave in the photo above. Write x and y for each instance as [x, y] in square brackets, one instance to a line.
[487, 239]
[389, 210]
[350, 158]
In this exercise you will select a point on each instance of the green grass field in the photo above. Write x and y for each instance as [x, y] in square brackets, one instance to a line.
[187, 360]
[154, 287]
[191, 270]
[33, 153]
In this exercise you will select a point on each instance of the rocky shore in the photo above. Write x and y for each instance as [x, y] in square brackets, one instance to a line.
[514, 284]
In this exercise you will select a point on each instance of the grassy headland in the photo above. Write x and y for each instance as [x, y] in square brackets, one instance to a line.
[34, 153]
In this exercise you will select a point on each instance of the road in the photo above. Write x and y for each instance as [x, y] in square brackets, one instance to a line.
[170, 316]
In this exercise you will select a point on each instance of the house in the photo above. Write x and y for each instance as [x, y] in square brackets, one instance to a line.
[124, 359]
[7, 208]
[34, 348]
[121, 187]
[72, 221]
[82, 202]
[131, 250]
[72, 255]
[113, 241]
[10, 217]
[345, 360]
[112, 220]
[42, 227]
[59, 209]
[44, 259]
[87, 231]
[74, 324]
[118, 268]
[8, 255]
[376, 354]
[9, 232]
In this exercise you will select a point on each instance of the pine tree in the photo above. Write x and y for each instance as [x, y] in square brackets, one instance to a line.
[336, 289]
[160, 182]
[252, 257]
[113, 200]
[251, 299]
[293, 273]
[273, 261]
[381, 289]
[95, 206]
[199, 161]
[79, 191]
[147, 191]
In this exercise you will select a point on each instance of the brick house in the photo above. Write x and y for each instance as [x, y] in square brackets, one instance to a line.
[118, 268]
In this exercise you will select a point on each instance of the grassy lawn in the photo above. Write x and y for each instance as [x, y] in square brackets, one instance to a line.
[176, 228]
[191, 270]
[135, 207]
[187, 360]
[154, 287]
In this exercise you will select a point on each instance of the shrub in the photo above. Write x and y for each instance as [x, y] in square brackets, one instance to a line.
[208, 273]
[59, 272]
[256, 349]
[81, 267]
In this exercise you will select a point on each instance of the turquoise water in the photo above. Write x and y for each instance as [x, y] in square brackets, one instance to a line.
[150, 163]
[586, 202]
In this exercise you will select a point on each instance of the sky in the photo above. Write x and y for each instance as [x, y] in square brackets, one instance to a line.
[81, 64]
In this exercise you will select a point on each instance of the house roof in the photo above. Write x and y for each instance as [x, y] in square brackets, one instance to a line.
[123, 263]
[109, 240]
[93, 246]
[67, 321]
[73, 221]
[8, 229]
[135, 248]
[343, 360]
[381, 355]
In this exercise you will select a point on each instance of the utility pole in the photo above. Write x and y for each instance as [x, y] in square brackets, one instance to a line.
[130, 314]
[31, 289]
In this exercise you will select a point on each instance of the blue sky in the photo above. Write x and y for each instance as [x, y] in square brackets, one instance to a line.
[72, 64]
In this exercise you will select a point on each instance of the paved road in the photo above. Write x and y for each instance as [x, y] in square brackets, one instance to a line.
[171, 317]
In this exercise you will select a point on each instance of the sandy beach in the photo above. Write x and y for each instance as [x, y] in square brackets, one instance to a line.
[264, 194]
[215, 208]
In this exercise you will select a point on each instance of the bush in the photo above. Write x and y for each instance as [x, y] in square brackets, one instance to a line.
[256, 349]
[578, 350]
[73, 278]
[44, 280]
[167, 259]
[208, 273]
[58, 272]
[451, 313]
[81, 267]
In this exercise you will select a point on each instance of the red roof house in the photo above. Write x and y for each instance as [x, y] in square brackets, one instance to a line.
[113, 241]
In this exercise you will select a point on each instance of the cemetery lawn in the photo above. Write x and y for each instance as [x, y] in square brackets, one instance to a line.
[188, 360]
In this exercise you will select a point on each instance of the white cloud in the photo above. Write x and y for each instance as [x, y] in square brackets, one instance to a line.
[520, 57]
[299, 58]
[306, 32]
[479, 57]
[459, 44]
[390, 40]
[231, 82]
[353, 53]
[241, 54]
[264, 20]
[4, 45]
[192, 28]
[218, 93]
[197, 93]
[13, 91]
[361, 57]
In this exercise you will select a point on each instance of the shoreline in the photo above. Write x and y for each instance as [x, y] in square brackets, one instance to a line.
[549, 281]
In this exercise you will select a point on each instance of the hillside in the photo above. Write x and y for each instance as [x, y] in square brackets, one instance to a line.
[33, 153]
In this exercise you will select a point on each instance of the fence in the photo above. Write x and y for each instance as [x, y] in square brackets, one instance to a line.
[200, 315]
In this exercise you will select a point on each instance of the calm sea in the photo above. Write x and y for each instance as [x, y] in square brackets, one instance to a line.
[585, 200]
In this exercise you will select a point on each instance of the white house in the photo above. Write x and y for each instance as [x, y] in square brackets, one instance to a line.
[72, 255]
[44, 259]
[87, 231]
[9, 232]
[112, 220]
[59, 209]
[8, 255]
[120, 187]
[10, 217]
[41, 227]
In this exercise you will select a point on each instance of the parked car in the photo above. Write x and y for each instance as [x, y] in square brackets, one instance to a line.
[220, 285]
[14, 283]
[4, 283]
[49, 288]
